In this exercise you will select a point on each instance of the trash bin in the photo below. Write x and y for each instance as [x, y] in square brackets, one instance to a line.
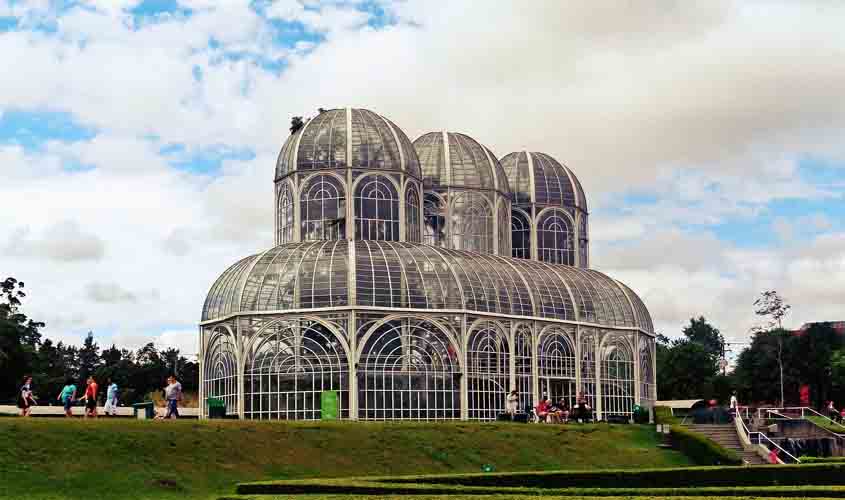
[144, 410]
[216, 408]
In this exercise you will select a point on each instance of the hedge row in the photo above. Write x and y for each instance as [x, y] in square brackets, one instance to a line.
[823, 460]
[763, 475]
[701, 449]
[663, 415]
[362, 487]
[728, 481]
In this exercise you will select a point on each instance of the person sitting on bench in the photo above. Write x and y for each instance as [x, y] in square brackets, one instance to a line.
[583, 412]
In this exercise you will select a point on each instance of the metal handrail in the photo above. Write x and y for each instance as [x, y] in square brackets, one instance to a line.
[824, 417]
[759, 434]
[796, 460]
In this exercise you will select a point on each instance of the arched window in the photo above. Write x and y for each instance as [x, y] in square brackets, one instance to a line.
[488, 372]
[323, 209]
[583, 243]
[522, 357]
[376, 209]
[587, 343]
[503, 223]
[220, 379]
[520, 235]
[434, 215]
[409, 370]
[617, 377]
[472, 223]
[647, 385]
[554, 238]
[285, 220]
[556, 362]
[289, 367]
[412, 213]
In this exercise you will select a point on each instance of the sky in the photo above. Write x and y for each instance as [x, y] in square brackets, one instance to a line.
[138, 140]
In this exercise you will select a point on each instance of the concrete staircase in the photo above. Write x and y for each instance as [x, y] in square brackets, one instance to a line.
[726, 436]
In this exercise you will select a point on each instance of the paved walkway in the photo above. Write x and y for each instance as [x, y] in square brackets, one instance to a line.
[57, 411]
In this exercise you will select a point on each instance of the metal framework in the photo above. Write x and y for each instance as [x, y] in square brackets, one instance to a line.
[393, 283]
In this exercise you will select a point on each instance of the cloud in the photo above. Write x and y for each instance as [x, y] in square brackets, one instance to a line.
[63, 241]
[703, 108]
[109, 293]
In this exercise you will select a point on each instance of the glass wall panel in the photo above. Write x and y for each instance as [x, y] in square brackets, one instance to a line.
[323, 209]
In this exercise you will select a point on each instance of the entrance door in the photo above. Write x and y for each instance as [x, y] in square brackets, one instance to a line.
[560, 388]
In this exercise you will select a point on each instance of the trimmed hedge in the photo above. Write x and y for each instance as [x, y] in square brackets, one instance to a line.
[727, 481]
[822, 460]
[701, 449]
[762, 475]
[381, 489]
[663, 415]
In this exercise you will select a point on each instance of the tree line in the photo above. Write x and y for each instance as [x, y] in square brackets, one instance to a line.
[771, 370]
[23, 351]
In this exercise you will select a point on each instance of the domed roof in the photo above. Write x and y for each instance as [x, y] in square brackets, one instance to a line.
[386, 274]
[539, 178]
[450, 159]
[339, 138]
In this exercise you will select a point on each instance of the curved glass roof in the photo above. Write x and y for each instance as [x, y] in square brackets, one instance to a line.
[553, 182]
[450, 159]
[389, 274]
[339, 138]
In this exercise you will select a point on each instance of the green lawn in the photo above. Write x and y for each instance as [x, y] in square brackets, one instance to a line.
[57, 459]
[827, 424]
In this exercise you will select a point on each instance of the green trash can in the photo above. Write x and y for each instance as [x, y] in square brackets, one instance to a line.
[144, 410]
[216, 408]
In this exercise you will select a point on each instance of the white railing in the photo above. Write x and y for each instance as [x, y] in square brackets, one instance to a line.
[803, 411]
[761, 436]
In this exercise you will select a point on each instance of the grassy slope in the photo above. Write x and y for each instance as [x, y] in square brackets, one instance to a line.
[114, 459]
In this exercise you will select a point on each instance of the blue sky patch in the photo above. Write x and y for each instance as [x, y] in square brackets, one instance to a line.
[205, 161]
[32, 129]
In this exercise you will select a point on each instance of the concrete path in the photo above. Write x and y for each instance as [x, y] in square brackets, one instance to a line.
[78, 411]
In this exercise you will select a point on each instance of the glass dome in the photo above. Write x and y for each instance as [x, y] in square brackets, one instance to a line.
[467, 201]
[450, 159]
[539, 178]
[549, 210]
[348, 137]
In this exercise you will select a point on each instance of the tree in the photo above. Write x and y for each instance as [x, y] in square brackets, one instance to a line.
[770, 305]
[89, 357]
[702, 332]
[815, 347]
[685, 370]
[296, 123]
[19, 337]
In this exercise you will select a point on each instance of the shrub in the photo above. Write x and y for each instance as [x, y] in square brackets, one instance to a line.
[663, 415]
[701, 449]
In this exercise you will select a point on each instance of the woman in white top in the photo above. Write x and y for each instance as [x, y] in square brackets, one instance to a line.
[513, 403]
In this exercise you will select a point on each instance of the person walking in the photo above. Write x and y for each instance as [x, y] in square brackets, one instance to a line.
[90, 398]
[111, 399]
[173, 394]
[67, 396]
[25, 398]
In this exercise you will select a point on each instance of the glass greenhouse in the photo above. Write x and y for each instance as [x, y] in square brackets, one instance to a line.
[421, 281]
